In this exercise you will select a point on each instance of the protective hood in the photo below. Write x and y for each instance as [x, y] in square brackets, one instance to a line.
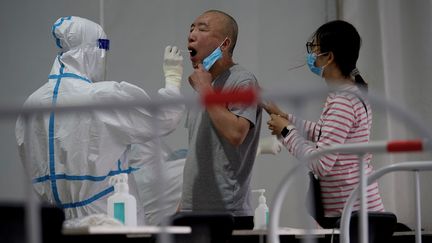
[80, 47]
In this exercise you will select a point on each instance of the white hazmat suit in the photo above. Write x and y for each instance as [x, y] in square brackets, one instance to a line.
[149, 180]
[73, 155]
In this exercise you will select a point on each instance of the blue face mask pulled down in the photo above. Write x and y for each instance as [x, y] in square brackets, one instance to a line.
[310, 60]
[213, 57]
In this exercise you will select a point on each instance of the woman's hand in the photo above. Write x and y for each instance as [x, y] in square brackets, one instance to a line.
[277, 123]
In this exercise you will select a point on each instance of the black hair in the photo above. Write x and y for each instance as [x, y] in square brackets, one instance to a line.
[342, 39]
[231, 27]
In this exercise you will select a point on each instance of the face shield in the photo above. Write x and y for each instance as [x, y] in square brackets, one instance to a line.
[103, 45]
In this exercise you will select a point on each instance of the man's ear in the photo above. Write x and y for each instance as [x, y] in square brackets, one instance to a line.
[226, 44]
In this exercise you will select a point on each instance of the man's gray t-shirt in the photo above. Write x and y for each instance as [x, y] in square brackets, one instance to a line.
[217, 174]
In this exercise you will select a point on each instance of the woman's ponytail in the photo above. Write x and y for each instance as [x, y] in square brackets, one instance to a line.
[359, 81]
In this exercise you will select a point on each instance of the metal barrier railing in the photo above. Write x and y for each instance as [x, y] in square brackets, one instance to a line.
[247, 97]
[415, 166]
[360, 149]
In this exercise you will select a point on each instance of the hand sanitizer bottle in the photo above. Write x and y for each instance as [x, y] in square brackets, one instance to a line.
[122, 205]
[261, 217]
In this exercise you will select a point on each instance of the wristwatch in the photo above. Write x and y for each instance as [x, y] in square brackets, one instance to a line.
[287, 130]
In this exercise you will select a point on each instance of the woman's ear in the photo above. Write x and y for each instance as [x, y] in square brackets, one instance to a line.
[330, 57]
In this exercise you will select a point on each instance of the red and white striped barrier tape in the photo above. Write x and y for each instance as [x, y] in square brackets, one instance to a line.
[396, 146]
[244, 96]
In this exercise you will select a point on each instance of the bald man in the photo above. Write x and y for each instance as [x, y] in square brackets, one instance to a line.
[223, 139]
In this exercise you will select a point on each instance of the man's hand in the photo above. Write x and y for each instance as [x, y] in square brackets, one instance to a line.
[200, 79]
[272, 108]
[172, 67]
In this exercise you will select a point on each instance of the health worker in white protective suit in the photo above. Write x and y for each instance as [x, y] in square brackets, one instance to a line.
[73, 155]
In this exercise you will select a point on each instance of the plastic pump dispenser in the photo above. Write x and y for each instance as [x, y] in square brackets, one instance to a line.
[122, 205]
[261, 217]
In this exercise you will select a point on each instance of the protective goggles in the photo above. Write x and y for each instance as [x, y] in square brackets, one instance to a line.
[103, 44]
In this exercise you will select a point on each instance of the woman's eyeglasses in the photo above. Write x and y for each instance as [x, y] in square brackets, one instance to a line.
[310, 46]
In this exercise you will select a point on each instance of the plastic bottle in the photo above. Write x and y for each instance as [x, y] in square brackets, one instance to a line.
[122, 205]
[261, 217]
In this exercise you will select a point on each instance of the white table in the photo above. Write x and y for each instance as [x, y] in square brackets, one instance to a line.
[148, 231]
[289, 231]
[136, 231]
[295, 233]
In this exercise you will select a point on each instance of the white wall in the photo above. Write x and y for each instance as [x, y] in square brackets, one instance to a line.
[272, 36]
[395, 59]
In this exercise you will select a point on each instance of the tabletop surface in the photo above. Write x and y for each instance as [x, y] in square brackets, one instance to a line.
[185, 230]
[126, 230]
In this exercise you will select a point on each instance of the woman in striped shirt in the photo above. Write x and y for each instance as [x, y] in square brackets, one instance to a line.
[346, 118]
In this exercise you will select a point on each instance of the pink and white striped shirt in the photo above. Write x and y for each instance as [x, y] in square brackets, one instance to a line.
[344, 120]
